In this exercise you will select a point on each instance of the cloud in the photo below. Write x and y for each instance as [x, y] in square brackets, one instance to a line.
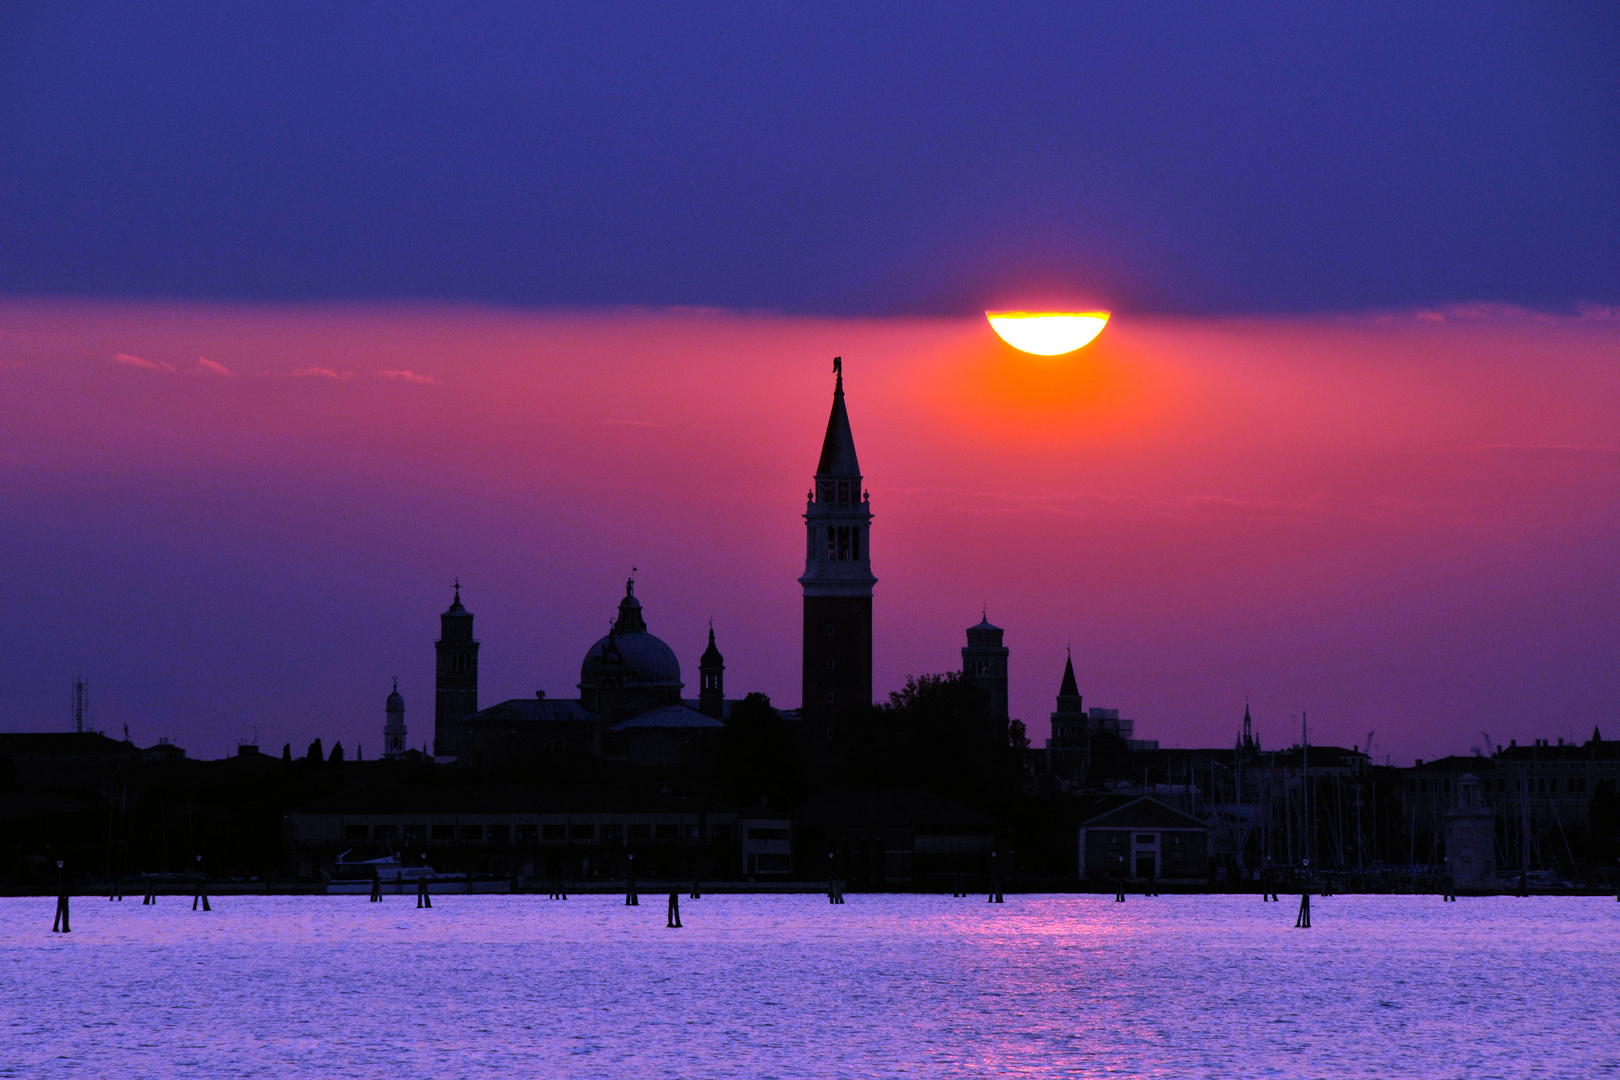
[320, 373]
[217, 368]
[408, 376]
[135, 361]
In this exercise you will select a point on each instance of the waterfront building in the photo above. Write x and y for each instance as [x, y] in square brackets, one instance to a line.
[1470, 837]
[1138, 838]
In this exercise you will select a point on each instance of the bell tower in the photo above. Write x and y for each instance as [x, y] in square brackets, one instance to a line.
[456, 676]
[712, 682]
[837, 579]
[394, 730]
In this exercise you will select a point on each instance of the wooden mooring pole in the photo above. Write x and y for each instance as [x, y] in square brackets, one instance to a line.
[630, 897]
[60, 924]
[201, 895]
[674, 910]
[1303, 922]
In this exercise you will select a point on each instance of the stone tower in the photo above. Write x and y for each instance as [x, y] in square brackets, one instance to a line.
[837, 580]
[394, 730]
[456, 676]
[712, 681]
[1068, 751]
[984, 664]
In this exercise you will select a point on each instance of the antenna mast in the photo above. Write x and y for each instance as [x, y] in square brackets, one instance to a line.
[81, 704]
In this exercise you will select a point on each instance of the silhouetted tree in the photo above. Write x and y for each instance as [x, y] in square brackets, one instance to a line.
[936, 733]
[757, 755]
[286, 752]
[337, 751]
[1018, 736]
[315, 753]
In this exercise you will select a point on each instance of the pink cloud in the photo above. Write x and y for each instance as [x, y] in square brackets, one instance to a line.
[136, 361]
[320, 373]
[408, 376]
[217, 368]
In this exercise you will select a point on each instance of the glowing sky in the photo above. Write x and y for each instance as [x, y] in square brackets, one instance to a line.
[232, 518]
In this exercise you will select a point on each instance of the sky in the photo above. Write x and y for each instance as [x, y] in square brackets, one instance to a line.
[305, 312]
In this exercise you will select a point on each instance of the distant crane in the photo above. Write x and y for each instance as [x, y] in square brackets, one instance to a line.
[81, 704]
[1490, 747]
[1367, 746]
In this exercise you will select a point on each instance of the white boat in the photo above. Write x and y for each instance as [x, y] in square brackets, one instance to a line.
[355, 876]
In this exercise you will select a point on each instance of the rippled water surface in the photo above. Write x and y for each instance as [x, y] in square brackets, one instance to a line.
[790, 986]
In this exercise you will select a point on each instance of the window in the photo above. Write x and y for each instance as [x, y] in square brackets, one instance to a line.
[666, 832]
[829, 697]
[472, 832]
[769, 834]
[830, 629]
[642, 831]
[1147, 838]
[773, 864]
[843, 491]
[354, 832]
[613, 832]
[498, 833]
[855, 542]
[584, 832]
[383, 832]
[415, 834]
[843, 542]
[720, 832]
[444, 832]
[693, 832]
[553, 832]
[528, 834]
[827, 490]
[829, 663]
[832, 541]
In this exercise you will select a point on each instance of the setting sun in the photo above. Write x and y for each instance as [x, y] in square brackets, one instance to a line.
[1047, 333]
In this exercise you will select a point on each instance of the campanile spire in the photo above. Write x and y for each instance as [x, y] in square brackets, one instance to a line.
[837, 578]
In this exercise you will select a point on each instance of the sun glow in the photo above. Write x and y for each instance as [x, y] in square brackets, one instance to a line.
[1047, 333]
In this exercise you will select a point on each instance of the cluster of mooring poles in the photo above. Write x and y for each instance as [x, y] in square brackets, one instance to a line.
[835, 887]
[995, 882]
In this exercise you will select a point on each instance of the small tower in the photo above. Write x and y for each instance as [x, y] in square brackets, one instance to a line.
[456, 676]
[1247, 743]
[1069, 720]
[984, 665]
[712, 680]
[394, 729]
[1068, 751]
[837, 580]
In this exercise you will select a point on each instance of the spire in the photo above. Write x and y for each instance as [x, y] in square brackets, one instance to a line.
[1068, 688]
[838, 446]
[455, 604]
[711, 655]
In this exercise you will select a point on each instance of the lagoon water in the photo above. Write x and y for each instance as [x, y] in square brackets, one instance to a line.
[790, 986]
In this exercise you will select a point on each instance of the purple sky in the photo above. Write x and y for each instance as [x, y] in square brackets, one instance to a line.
[1401, 523]
[305, 311]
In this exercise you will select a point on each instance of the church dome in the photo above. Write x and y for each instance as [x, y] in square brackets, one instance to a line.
[629, 663]
[396, 702]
